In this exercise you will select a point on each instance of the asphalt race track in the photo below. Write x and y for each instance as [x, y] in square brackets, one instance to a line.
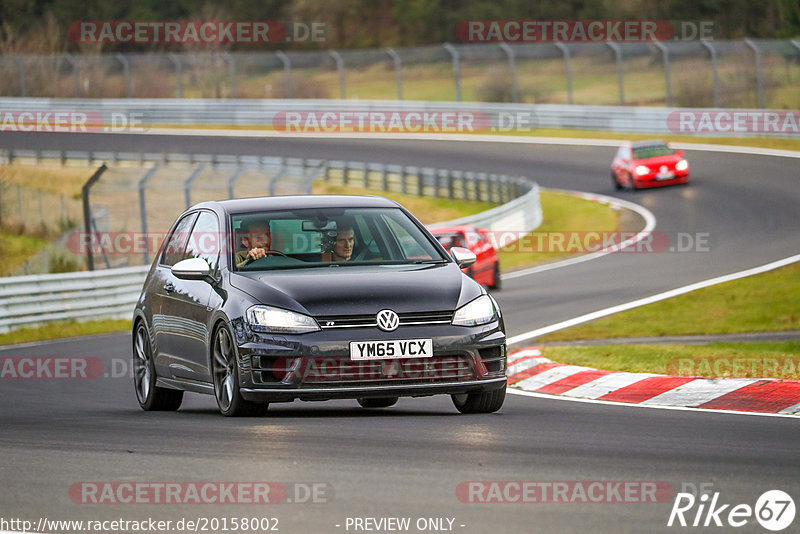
[408, 460]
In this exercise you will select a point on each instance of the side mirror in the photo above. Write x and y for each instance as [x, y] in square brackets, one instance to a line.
[192, 269]
[679, 153]
[463, 256]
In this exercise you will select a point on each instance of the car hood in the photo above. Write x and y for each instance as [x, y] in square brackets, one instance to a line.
[658, 160]
[357, 290]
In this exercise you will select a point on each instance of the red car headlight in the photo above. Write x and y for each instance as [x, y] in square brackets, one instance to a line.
[641, 170]
[682, 165]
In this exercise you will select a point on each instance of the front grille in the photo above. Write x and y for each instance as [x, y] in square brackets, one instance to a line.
[342, 371]
[369, 321]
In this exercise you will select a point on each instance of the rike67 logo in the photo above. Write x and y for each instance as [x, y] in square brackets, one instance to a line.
[774, 510]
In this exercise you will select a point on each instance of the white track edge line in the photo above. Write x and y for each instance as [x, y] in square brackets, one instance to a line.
[653, 298]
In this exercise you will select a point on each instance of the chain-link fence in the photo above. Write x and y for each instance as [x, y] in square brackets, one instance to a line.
[129, 205]
[743, 73]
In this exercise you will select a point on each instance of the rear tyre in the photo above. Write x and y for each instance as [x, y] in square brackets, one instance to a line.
[631, 183]
[378, 403]
[487, 402]
[497, 282]
[151, 397]
[226, 378]
[617, 185]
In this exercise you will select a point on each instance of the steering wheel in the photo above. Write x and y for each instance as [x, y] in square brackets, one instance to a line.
[250, 260]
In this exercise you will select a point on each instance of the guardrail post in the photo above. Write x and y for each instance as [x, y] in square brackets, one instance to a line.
[620, 70]
[759, 71]
[75, 74]
[23, 85]
[340, 69]
[398, 71]
[384, 178]
[126, 74]
[512, 67]
[187, 185]
[178, 63]
[464, 191]
[233, 179]
[366, 175]
[667, 85]
[420, 182]
[451, 178]
[403, 188]
[287, 72]
[273, 184]
[713, 54]
[143, 206]
[479, 180]
[567, 69]
[87, 213]
[456, 68]
[231, 61]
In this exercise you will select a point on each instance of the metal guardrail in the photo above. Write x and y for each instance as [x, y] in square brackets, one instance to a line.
[270, 114]
[42, 299]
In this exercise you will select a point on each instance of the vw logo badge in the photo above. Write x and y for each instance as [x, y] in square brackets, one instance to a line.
[388, 320]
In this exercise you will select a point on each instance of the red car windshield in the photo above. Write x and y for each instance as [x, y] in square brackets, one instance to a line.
[651, 152]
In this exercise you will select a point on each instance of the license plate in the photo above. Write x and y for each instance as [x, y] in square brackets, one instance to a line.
[396, 348]
[665, 176]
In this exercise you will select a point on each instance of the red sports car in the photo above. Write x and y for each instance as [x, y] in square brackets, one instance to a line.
[648, 164]
[486, 270]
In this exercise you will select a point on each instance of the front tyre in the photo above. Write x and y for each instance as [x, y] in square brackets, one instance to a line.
[384, 402]
[151, 397]
[226, 378]
[486, 402]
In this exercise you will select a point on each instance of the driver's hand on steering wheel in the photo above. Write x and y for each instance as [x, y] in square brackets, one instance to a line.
[256, 253]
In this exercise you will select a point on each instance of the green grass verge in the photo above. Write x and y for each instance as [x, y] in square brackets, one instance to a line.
[16, 249]
[764, 302]
[64, 329]
[730, 360]
[561, 213]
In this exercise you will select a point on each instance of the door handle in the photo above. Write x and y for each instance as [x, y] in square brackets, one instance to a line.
[168, 287]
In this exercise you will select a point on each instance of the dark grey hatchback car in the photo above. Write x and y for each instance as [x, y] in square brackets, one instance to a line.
[313, 298]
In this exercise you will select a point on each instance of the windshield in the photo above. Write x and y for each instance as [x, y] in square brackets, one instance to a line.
[651, 151]
[321, 237]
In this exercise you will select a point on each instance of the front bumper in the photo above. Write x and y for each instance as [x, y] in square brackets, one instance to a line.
[317, 366]
[650, 180]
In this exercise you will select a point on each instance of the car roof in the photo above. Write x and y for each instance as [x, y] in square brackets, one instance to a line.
[453, 229]
[245, 205]
[645, 144]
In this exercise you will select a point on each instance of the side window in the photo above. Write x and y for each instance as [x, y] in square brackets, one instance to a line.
[205, 240]
[176, 242]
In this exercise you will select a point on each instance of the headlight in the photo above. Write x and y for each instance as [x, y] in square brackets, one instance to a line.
[641, 170]
[269, 319]
[479, 311]
[682, 165]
